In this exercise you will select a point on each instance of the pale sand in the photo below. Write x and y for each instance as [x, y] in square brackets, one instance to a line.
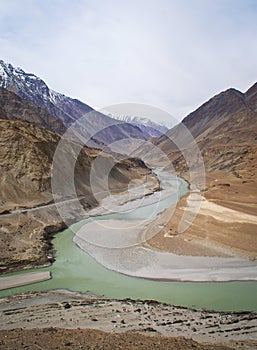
[138, 261]
[23, 279]
[141, 262]
[217, 211]
[111, 233]
[225, 214]
[138, 197]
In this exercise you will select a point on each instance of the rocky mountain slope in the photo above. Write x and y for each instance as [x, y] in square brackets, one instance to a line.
[147, 126]
[99, 128]
[225, 130]
[28, 215]
[13, 107]
[25, 182]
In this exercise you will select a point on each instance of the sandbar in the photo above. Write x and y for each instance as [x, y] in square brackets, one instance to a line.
[23, 279]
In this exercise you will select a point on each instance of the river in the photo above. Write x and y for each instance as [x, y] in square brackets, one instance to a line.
[77, 271]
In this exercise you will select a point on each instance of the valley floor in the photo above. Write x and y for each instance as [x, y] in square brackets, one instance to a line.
[220, 243]
[26, 234]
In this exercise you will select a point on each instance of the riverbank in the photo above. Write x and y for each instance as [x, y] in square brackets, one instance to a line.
[225, 223]
[66, 310]
[124, 244]
[78, 271]
[22, 280]
[26, 234]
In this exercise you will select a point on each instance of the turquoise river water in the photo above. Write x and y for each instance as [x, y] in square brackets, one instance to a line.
[77, 271]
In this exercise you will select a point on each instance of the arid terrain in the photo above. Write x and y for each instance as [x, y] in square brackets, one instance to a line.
[52, 338]
[226, 224]
[60, 319]
[225, 132]
[28, 216]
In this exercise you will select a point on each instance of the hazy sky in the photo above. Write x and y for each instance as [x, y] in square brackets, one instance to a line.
[171, 54]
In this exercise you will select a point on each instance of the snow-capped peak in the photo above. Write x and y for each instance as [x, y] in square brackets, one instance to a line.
[146, 125]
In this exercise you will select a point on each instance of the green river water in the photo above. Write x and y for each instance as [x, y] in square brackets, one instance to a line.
[77, 271]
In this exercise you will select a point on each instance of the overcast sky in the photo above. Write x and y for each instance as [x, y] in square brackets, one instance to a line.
[170, 54]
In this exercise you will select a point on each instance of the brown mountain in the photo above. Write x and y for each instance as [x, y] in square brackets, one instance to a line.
[25, 184]
[13, 107]
[251, 97]
[27, 213]
[225, 130]
[98, 128]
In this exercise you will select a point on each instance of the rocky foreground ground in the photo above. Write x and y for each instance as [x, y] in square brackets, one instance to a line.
[58, 319]
[51, 338]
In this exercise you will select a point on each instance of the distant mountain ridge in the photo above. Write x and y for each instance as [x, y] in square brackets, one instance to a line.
[147, 126]
[67, 110]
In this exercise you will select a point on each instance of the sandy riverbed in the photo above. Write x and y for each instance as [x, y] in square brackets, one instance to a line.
[121, 246]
